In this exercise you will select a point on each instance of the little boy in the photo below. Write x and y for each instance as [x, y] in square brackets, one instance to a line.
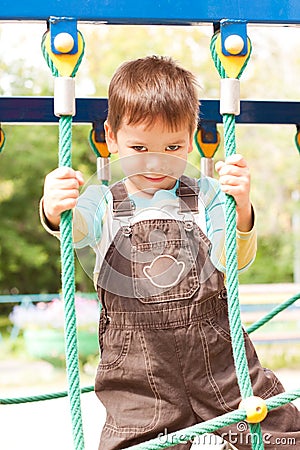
[166, 359]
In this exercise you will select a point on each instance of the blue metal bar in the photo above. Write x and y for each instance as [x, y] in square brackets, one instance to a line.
[178, 12]
[89, 110]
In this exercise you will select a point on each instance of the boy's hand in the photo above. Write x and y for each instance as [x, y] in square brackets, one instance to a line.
[61, 191]
[235, 180]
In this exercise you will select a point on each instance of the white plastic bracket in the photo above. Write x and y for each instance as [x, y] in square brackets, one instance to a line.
[230, 96]
[64, 96]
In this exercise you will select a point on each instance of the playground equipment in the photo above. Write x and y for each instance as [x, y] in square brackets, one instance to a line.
[63, 48]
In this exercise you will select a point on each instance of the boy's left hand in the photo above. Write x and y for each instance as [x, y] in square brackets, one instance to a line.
[234, 180]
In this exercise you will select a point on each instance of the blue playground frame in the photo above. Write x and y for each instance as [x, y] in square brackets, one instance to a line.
[179, 12]
[93, 110]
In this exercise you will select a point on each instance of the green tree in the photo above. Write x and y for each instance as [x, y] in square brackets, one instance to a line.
[29, 257]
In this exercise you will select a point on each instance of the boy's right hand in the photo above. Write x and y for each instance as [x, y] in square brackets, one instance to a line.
[61, 191]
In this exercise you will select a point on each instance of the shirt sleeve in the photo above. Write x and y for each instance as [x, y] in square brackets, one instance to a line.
[87, 217]
[214, 200]
[45, 222]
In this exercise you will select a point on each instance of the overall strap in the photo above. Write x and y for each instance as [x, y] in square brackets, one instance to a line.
[122, 205]
[188, 192]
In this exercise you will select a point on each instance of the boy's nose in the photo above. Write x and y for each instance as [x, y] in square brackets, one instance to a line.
[154, 162]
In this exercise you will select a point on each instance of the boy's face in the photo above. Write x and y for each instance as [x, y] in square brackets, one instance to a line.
[152, 158]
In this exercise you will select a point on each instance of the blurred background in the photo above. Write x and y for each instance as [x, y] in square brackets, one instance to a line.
[29, 257]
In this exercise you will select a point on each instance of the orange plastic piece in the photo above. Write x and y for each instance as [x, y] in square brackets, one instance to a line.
[207, 149]
[2, 137]
[100, 146]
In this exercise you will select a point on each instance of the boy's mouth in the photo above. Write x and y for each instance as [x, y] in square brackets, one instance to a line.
[155, 179]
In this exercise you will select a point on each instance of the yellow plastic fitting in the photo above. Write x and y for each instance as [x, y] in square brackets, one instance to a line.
[232, 64]
[64, 62]
[255, 407]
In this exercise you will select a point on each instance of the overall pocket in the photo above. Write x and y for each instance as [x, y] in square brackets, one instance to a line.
[163, 271]
[125, 383]
[114, 349]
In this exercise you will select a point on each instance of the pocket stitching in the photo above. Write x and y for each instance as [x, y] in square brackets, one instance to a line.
[220, 331]
[120, 357]
[209, 371]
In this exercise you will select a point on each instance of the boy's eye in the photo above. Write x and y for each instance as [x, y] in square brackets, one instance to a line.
[172, 148]
[139, 148]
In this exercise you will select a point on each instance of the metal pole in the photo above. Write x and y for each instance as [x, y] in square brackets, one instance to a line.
[207, 167]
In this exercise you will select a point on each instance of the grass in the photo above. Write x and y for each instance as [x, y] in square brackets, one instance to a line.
[279, 356]
[19, 370]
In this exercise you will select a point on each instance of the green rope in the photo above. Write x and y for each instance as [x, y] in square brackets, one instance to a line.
[234, 314]
[41, 397]
[254, 326]
[231, 254]
[282, 399]
[68, 274]
[237, 335]
[92, 145]
[2, 144]
[68, 292]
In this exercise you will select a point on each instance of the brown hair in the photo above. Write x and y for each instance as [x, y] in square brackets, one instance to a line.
[153, 87]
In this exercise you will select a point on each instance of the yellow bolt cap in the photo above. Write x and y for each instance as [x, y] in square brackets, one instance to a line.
[255, 407]
[234, 44]
[63, 42]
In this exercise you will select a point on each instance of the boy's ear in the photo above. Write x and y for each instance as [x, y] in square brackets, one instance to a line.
[110, 138]
[190, 147]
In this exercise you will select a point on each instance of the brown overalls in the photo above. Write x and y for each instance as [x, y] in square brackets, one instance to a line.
[166, 358]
